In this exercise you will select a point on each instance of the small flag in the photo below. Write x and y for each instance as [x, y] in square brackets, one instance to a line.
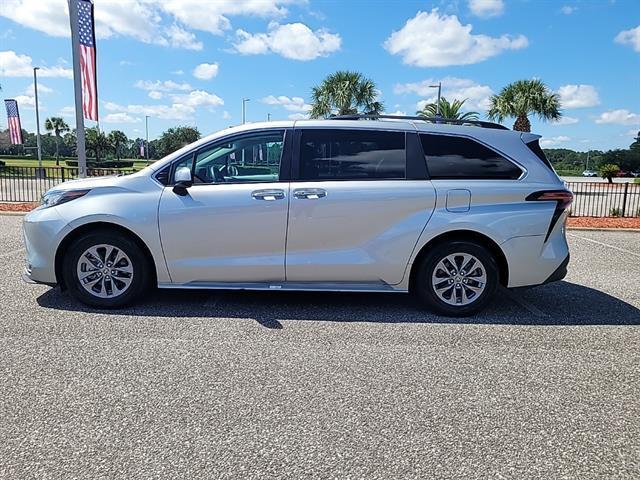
[86, 31]
[13, 117]
[142, 148]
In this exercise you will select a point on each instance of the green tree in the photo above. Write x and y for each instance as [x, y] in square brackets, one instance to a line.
[345, 93]
[118, 139]
[176, 138]
[96, 141]
[523, 98]
[451, 110]
[57, 125]
[608, 171]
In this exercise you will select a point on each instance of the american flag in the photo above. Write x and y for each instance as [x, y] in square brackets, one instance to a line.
[88, 59]
[15, 129]
[142, 148]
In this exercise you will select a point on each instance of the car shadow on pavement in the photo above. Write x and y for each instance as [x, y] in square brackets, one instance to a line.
[561, 303]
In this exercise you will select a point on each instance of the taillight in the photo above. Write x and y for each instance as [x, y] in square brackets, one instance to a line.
[563, 199]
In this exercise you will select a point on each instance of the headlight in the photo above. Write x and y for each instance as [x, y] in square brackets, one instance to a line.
[51, 199]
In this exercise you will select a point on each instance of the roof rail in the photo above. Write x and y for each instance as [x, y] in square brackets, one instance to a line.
[455, 121]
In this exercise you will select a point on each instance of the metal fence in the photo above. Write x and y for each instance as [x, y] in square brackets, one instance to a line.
[591, 199]
[598, 199]
[27, 184]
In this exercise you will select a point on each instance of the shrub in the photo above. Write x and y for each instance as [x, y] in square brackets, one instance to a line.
[615, 212]
[608, 171]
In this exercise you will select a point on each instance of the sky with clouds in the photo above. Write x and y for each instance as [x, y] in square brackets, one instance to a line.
[190, 62]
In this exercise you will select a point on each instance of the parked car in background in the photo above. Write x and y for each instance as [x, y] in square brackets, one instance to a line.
[623, 174]
[589, 173]
[447, 211]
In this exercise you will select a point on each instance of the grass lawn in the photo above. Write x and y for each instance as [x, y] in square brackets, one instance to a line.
[31, 162]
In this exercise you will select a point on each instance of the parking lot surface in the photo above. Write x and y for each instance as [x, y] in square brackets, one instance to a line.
[545, 384]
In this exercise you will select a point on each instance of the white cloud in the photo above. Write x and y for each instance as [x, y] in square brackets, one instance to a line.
[619, 117]
[178, 72]
[42, 88]
[13, 64]
[25, 101]
[198, 98]
[150, 21]
[568, 9]
[119, 118]
[298, 116]
[564, 120]
[160, 86]
[398, 112]
[632, 133]
[163, 112]
[477, 96]
[630, 37]
[154, 94]
[295, 41]
[226, 115]
[206, 71]
[554, 141]
[578, 96]
[178, 37]
[293, 104]
[68, 111]
[433, 40]
[486, 8]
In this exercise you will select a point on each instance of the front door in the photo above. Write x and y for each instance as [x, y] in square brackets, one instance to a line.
[231, 225]
[356, 210]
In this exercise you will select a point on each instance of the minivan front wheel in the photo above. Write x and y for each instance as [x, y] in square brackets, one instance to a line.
[458, 278]
[105, 269]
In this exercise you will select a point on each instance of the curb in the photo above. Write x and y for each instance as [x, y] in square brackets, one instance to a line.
[12, 214]
[605, 229]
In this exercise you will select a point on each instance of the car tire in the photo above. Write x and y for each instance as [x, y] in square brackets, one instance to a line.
[443, 284]
[105, 269]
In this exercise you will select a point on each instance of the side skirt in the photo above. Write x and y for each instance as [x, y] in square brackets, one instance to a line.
[314, 287]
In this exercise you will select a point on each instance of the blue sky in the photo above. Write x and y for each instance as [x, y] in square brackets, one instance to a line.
[190, 62]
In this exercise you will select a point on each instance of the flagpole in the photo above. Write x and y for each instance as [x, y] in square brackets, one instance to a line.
[77, 87]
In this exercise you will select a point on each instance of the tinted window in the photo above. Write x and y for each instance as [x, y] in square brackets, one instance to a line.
[535, 148]
[352, 154]
[458, 158]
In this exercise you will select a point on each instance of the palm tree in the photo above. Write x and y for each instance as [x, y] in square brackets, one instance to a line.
[522, 98]
[96, 141]
[448, 110]
[118, 138]
[57, 125]
[345, 93]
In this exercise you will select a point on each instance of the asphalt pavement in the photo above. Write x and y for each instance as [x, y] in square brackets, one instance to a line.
[544, 384]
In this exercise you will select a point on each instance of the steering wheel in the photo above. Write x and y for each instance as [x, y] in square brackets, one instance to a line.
[217, 175]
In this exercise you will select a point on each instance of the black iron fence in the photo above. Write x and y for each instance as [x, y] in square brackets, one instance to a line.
[599, 199]
[591, 199]
[27, 184]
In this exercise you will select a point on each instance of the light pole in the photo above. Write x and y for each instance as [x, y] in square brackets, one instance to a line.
[439, 87]
[35, 91]
[146, 127]
[268, 117]
[244, 110]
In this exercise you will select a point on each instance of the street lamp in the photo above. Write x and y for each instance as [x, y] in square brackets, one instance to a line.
[146, 127]
[35, 91]
[439, 87]
[244, 110]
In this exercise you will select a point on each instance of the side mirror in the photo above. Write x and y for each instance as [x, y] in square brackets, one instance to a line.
[183, 180]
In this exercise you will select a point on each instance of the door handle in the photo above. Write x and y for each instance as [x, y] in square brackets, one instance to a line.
[310, 193]
[268, 195]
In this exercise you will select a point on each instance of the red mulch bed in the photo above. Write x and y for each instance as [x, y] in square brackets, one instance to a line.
[603, 222]
[17, 207]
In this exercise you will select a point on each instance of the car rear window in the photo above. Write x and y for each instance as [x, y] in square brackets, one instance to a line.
[534, 146]
[453, 157]
[339, 154]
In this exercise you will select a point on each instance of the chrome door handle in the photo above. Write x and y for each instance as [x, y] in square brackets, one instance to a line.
[269, 195]
[310, 193]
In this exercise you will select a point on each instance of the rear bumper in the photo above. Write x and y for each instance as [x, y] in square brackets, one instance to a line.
[560, 272]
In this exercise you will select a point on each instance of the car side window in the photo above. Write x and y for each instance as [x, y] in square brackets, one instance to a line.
[248, 158]
[337, 154]
[452, 157]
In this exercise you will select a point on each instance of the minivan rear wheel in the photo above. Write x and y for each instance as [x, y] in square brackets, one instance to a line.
[106, 270]
[457, 279]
